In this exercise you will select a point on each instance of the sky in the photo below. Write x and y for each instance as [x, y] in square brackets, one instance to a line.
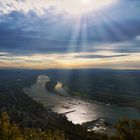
[45, 34]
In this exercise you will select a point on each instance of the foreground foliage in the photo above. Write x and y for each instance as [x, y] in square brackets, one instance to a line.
[125, 130]
[29, 120]
[11, 131]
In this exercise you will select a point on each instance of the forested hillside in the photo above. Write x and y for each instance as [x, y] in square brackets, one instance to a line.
[22, 118]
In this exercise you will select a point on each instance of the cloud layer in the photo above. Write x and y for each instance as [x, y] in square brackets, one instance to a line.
[33, 34]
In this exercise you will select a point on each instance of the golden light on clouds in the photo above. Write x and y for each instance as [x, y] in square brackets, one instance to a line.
[73, 60]
[69, 6]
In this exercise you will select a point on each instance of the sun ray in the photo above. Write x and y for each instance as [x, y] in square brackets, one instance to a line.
[77, 7]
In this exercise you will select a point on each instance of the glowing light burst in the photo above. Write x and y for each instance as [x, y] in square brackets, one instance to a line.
[69, 6]
[82, 6]
[86, 1]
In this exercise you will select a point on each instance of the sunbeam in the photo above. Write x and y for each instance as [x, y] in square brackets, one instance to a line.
[76, 7]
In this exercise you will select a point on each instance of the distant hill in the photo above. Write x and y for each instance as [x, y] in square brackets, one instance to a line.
[29, 118]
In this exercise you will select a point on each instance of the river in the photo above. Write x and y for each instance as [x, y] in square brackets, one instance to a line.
[76, 109]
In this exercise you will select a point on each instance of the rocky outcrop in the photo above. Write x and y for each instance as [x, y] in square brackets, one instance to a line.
[50, 86]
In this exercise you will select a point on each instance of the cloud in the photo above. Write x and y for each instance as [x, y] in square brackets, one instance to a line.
[8, 6]
[74, 7]
[33, 33]
[102, 26]
[138, 38]
[101, 56]
[100, 60]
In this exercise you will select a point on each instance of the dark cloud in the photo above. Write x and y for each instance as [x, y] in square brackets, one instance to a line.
[100, 56]
[52, 33]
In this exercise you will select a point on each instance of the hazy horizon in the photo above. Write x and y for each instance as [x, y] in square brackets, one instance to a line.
[77, 34]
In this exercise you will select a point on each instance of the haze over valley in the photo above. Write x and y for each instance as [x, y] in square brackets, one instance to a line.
[69, 69]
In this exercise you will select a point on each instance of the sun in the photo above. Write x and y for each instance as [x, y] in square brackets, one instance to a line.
[86, 1]
[81, 6]
[76, 7]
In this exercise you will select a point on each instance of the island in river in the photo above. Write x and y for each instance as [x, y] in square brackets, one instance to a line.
[76, 109]
[95, 115]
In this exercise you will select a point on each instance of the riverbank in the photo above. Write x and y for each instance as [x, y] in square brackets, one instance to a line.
[84, 110]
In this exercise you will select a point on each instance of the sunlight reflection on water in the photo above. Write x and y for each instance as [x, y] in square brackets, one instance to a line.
[77, 110]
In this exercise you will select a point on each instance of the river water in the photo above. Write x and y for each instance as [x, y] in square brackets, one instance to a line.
[76, 109]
